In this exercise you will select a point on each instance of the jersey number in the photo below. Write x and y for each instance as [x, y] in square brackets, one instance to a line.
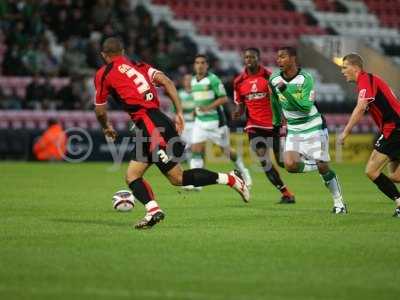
[139, 80]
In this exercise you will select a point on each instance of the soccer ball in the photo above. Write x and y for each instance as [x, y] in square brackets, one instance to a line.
[123, 200]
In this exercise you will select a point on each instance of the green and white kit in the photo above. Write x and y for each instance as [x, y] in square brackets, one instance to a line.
[307, 133]
[210, 125]
[188, 107]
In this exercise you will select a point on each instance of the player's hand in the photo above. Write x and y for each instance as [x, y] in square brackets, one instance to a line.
[179, 122]
[342, 137]
[281, 86]
[110, 133]
[203, 109]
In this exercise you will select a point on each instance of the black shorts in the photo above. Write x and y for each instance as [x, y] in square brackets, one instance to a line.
[157, 142]
[261, 138]
[389, 146]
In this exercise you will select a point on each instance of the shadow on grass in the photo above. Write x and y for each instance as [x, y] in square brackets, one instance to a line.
[91, 222]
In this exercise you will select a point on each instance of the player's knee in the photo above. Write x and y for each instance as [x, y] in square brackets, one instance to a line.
[131, 176]
[323, 168]
[291, 166]
[372, 174]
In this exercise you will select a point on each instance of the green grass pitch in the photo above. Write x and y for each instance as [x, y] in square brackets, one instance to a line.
[60, 239]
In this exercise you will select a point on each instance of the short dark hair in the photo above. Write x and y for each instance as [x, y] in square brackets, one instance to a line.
[202, 56]
[253, 49]
[51, 122]
[112, 46]
[292, 51]
[354, 59]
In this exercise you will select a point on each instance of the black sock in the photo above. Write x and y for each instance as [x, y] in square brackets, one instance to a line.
[141, 190]
[276, 146]
[273, 176]
[199, 177]
[387, 186]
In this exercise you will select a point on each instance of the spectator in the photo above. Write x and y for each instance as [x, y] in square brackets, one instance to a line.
[18, 36]
[34, 93]
[12, 100]
[73, 95]
[74, 61]
[12, 63]
[52, 145]
[31, 59]
[76, 24]
[101, 13]
[93, 57]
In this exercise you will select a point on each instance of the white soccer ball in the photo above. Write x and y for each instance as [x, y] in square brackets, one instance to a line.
[123, 200]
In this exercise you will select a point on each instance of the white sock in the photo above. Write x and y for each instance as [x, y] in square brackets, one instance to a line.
[334, 188]
[196, 163]
[152, 207]
[222, 178]
[397, 201]
[239, 164]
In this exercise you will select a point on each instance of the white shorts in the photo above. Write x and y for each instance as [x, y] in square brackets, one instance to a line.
[313, 145]
[209, 131]
[187, 133]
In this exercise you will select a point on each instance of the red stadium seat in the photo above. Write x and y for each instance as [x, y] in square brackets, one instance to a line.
[238, 24]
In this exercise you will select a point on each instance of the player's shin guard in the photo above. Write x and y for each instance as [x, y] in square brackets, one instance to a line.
[387, 187]
[332, 183]
[196, 161]
[143, 193]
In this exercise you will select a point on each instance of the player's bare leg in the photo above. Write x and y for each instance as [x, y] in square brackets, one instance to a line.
[142, 191]
[332, 183]
[202, 177]
[273, 175]
[295, 163]
[238, 161]
[373, 170]
[394, 171]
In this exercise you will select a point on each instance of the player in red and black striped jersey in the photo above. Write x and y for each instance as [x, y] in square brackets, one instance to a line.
[375, 96]
[157, 140]
[251, 94]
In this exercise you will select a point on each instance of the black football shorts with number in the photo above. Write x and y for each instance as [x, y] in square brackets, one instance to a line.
[262, 138]
[390, 146]
[157, 141]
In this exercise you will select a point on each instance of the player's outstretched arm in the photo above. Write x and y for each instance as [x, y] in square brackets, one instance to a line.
[170, 89]
[101, 115]
[355, 117]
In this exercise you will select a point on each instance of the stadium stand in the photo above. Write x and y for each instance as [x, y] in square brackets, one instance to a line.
[61, 40]
[369, 21]
[49, 50]
[44, 42]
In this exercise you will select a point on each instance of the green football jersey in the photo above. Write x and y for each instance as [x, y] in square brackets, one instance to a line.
[296, 103]
[187, 105]
[205, 92]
